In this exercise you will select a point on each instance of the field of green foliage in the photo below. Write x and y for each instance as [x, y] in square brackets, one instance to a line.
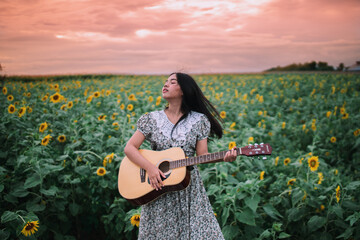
[62, 141]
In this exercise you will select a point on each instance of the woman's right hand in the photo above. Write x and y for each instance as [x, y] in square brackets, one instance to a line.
[155, 177]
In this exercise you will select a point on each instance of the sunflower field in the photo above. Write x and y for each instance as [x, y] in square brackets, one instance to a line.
[62, 141]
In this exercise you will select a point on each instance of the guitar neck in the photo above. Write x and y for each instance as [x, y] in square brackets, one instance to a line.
[250, 150]
[208, 158]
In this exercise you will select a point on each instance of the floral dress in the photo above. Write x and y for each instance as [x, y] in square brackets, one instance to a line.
[185, 214]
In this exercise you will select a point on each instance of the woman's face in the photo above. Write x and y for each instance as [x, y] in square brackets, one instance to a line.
[171, 88]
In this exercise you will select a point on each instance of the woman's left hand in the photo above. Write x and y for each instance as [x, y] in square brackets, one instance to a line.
[230, 155]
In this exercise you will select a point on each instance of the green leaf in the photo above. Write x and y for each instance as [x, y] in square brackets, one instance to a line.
[63, 157]
[4, 234]
[225, 215]
[295, 214]
[50, 192]
[284, 235]
[348, 232]
[252, 202]
[351, 205]
[74, 209]
[353, 185]
[272, 212]
[353, 218]
[338, 211]
[230, 231]
[265, 234]
[296, 196]
[32, 181]
[82, 170]
[8, 216]
[247, 217]
[1, 187]
[32, 207]
[315, 223]
[19, 192]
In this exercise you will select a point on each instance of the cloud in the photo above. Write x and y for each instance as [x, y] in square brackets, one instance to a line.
[142, 36]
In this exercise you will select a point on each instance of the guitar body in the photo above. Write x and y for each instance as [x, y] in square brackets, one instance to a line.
[133, 182]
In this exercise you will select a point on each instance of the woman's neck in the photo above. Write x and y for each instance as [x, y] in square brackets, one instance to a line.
[174, 108]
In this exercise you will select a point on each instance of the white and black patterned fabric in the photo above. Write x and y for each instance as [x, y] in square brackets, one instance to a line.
[185, 214]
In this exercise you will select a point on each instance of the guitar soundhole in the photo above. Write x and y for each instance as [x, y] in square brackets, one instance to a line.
[164, 166]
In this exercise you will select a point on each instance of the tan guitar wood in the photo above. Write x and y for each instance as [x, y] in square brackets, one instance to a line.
[129, 179]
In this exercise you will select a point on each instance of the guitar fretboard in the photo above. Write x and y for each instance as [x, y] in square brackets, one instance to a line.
[199, 159]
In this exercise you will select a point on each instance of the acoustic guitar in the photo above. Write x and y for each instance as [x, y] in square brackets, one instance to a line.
[134, 184]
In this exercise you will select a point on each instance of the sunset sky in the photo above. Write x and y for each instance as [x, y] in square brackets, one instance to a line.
[162, 36]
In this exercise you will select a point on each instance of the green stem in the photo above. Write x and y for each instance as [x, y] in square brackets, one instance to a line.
[22, 218]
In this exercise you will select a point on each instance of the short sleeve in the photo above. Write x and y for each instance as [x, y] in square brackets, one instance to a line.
[145, 125]
[204, 128]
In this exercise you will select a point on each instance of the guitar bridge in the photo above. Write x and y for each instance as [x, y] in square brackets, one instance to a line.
[142, 175]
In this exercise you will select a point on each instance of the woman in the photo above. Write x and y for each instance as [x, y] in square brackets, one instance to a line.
[186, 122]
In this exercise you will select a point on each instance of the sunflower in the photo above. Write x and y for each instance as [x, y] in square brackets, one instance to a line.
[11, 109]
[283, 125]
[43, 127]
[110, 157]
[232, 145]
[321, 177]
[328, 114]
[356, 132]
[10, 98]
[276, 161]
[287, 161]
[342, 110]
[132, 97]
[30, 228]
[4, 90]
[70, 104]
[96, 94]
[22, 111]
[56, 86]
[55, 98]
[62, 138]
[28, 94]
[150, 99]
[223, 114]
[291, 181]
[122, 106]
[63, 107]
[45, 141]
[113, 117]
[250, 140]
[313, 163]
[333, 139]
[108, 92]
[116, 125]
[158, 100]
[101, 171]
[102, 117]
[338, 193]
[345, 116]
[130, 107]
[89, 99]
[232, 125]
[44, 98]
[262, 175]
[135, 220]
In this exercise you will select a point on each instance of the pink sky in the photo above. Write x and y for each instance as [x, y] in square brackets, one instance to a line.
[162, 36]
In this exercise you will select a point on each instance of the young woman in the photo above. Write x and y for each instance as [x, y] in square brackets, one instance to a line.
[187, 122]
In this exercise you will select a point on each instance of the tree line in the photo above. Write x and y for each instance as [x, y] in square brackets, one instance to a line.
[308, 66]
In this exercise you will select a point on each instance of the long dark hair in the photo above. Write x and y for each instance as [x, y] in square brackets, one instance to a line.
[194, 100]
